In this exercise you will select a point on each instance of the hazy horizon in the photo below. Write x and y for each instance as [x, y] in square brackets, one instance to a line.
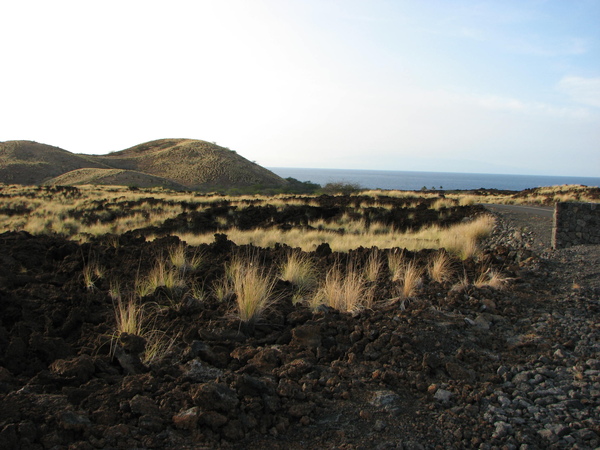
[500, 87]
[434, 171]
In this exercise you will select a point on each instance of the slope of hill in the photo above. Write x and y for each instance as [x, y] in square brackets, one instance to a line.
[180, 163]
[193, 163]
[28, 162]
[118, 177]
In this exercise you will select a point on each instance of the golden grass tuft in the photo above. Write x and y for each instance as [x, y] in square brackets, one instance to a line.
[346, 292]
[162, 275]
[491, 278]
[129, 316]
[179, 258]
[253, 287]
[372, 267]
[443, 203]
[440, 267]
[396, 263]
[462, 239]
[411, 279]
[299, 270]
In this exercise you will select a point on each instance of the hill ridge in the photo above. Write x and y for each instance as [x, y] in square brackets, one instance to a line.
[189, 163]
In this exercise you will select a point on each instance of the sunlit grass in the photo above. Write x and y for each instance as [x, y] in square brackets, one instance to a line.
[129, 316]
[299, 270]
[460, 239]
[372, 267]
[440, 267]
[253, 287]
[344, 290]
[410, 279]
[396, 262]
[443, 203]
[163, 275]
[179, 258]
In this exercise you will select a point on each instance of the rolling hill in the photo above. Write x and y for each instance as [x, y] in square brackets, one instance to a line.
[27, 162]
[170, 163]
[115, 177]
[193, 163]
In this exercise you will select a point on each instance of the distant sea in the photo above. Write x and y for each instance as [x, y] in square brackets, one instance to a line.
[392, 179]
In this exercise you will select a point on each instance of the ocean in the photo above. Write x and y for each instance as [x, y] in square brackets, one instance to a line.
[392, 179]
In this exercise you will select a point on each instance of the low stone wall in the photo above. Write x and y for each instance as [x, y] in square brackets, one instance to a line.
[576, 224]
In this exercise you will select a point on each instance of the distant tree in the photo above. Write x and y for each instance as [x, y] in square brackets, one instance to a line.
[340, 187]
[300, 187]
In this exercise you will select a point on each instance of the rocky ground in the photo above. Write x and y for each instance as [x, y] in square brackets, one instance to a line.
[452, 368]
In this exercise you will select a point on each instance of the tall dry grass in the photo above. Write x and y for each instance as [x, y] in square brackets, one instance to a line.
[299, 269]
[460, 239]
[440, 267]
[129, 316]
[372, 267]
[396, 263]
[179, 258]
[91, 273]
[344, 290]
[253, 286]
[411, 279]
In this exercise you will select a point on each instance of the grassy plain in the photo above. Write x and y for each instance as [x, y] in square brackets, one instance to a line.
[390, 224]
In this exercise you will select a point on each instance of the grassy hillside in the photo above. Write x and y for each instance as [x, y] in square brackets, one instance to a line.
[28, 162]
[193, 163]
[117, 177]
[174, 163]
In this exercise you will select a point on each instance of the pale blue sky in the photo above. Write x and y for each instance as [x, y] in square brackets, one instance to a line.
[473, 86]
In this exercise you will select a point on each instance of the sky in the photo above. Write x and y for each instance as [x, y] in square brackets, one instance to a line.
[498, 86]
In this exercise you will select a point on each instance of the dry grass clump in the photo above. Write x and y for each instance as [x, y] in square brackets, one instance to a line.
[158, 344]
[372, 267]
[411, 279]
[443, 203]
[129, 316]
[467, 200]
[343, 290]
[440, 267]
[253, 286]
[491, 278]
[222, 289]
[462, 283]
[163, 275]
[92, 272]
[462, 239]
[487, 277]
[299, 270]
[396, 263]
[133, 317]
[179, 258]
[407, 273]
